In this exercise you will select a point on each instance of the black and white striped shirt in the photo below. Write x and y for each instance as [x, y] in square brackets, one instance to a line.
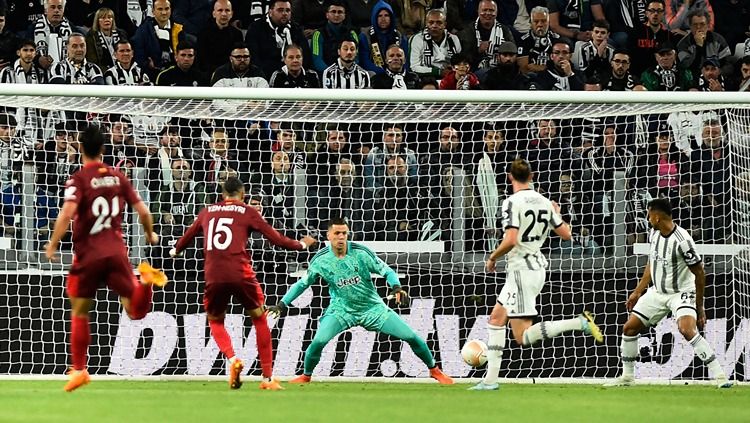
[117, 75]
[669, 260]
[337, 76]
[66, 72]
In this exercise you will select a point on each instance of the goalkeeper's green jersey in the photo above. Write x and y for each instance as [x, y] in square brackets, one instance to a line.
[348, 279]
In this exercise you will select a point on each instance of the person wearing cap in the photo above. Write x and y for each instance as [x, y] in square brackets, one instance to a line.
[666, 75]
[701, 43]
[559, 75]
[481, 40]
[506, 75]
[396, 75]
[711, 79]
[644, 38]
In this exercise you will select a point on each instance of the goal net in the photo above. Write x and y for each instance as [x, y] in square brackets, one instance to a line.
[420, 177]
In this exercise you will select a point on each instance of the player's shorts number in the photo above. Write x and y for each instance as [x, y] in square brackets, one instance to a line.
[511, 300]
[217, 227]
[104, 213]
[688, 297]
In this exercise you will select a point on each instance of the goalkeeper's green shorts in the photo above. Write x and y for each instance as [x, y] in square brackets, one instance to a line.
[371, 319]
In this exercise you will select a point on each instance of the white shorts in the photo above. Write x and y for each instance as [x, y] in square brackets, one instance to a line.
[519, 293]
[654, 306]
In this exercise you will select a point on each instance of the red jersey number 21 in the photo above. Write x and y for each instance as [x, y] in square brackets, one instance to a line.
[104, 212]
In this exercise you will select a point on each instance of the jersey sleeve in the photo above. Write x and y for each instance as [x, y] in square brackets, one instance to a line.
[510, 218]
[73, 190]
[128, 192]
[377, 265]
[312, 276]
[191, 232]
[259, 224]
[687, 249]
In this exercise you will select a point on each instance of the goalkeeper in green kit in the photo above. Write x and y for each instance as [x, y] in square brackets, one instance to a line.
[345, 267]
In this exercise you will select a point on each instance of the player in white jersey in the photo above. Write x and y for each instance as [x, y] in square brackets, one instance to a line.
[527, 219]
[678, 283]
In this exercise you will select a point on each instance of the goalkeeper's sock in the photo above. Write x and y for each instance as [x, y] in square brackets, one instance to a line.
[495, 345]
[265, 347]
[80, 337]
[140, 301]
[629, 352]
[547, 330]
[219, 332]
[707, 356]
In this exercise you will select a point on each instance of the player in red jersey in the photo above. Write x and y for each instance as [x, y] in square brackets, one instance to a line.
[229, 272]
[95, 196]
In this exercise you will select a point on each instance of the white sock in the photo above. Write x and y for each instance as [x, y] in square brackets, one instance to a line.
[629, 353]
[547, 330]
[706, 354]
[495, 346]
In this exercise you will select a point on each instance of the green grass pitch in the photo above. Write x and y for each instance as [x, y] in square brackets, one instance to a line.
[205, 402]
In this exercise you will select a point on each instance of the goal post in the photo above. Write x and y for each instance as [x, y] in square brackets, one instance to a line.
[420, 176]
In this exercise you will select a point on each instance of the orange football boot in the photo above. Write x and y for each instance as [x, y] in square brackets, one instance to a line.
[441, 377]
[77, 379]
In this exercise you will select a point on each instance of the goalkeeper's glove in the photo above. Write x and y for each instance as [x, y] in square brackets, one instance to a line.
[277, 310]
[399, 295]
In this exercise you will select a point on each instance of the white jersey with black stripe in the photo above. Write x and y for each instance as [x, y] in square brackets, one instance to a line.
[670, 257]
[532, 214]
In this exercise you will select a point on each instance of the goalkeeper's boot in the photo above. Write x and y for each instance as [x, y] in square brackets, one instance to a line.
[77, 379]
[441, 377]
[151, 276]
[271, 385]
[303, 378]
[481, 386]
[590, 328]
[235, 370]
[722, 382]
[620, 381]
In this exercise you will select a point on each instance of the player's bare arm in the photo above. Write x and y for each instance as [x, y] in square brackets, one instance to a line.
[61, 228]
[510, 239]
[641, 288]
[147, 222]
[700, 286]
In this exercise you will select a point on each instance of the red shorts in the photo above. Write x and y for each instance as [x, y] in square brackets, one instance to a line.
[217, 295]
[114, 271]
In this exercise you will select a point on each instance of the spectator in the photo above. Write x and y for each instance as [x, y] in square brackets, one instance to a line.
[58, 159]
[193, 15]
[51, 33]
[665, 166]
[155, 41]
[396, 75]
[327, 156]
[559, 75]
[286, 139]
[548, 156]
[101, 41]
[325, 41]
[121, 145]
[21, 16]
[12, 152]
[701, 44]
[574, 20]
[239, 72]
[461, 77]
[343, 197]
[378, 38]
[711, 79]
[480, 41]
[293, 74]
[535, 46]
[595, 55]
[217, 159]
[267, 38]
[24, 70]
[9, 41]
[644, 38]
[75, 69]
[506, 75]
[744, 77]
[375, 163]
[679, 11]
[311, 15]
[218, 38]
[666, 75]
[398, 216]
[619, 77]
[177, 204]
[711, 166]
[345, 74]
[183, 73]
[277, 183]
[431, 50]
[693, 209]
[125, 71]
[623, 18]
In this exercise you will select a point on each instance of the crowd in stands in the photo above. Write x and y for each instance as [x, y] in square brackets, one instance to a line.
[395, 182]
